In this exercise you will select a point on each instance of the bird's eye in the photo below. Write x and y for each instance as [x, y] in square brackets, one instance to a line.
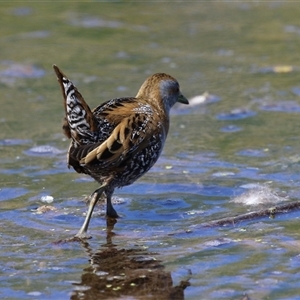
[175, 89]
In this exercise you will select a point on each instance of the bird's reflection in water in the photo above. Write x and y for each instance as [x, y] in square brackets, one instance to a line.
[116, 272]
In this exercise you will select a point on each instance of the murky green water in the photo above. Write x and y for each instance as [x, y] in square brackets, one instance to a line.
[244, 137]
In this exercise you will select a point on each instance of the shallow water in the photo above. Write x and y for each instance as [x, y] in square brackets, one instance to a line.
[237, 144]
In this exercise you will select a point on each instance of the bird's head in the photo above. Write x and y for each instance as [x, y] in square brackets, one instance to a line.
[163, 88]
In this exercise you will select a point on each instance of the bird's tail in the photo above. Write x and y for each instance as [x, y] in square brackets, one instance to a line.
[80, 123]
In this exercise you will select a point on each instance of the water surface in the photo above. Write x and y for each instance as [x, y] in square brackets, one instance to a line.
[238, 138]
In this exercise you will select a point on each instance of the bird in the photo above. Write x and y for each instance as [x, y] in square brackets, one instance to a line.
[121, 139]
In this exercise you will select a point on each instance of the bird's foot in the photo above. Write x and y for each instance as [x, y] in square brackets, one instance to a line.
[81, 236]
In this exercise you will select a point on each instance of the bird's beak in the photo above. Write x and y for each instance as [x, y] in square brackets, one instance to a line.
[182, 99]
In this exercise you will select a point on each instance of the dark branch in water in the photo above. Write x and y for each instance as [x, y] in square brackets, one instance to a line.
[268, 212]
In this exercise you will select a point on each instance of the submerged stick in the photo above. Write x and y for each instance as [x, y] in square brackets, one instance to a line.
[269, 212]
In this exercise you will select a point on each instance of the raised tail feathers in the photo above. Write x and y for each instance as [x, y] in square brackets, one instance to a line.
[79, 123]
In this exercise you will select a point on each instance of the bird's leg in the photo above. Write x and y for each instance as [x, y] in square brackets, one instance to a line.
[110, 211]
[82, 233]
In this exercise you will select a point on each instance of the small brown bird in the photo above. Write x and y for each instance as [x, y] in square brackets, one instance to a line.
[121, 139]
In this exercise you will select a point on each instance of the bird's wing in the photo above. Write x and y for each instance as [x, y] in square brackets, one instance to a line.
[129, 136]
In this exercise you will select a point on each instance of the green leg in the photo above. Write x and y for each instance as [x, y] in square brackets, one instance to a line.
[82, 233]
